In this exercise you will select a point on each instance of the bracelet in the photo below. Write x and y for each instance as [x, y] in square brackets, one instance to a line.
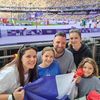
[13, 98]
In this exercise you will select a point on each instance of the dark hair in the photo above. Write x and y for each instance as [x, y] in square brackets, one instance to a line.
[32, 72]
[76, 31]
[60, 34]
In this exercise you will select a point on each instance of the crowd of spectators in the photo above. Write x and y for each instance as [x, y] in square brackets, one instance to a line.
[47, 3]
[47, 18]
[54, 19]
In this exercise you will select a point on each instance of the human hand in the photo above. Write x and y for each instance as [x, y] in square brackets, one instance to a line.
[19, 93]
[79, 72]
[77, 79]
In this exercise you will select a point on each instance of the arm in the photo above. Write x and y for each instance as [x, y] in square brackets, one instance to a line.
[18, 95]
[4, 96]
[5, 80]
[72, 66]
[4, 84]
[97, 84]
[89, 53]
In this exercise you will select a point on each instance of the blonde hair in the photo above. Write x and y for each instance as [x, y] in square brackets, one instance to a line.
[92, 62]
[48, 49]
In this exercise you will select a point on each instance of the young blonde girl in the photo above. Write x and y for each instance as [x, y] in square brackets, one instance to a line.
[49, 66]
[89, 81]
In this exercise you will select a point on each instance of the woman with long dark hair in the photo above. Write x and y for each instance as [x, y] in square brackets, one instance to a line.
[17, 73]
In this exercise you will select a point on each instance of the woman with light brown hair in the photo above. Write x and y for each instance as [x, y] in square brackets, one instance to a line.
[89, 81]
[79, 49]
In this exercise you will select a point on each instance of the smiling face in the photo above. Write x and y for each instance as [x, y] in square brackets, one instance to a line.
[75, 39]
[59, 44]
[29, 59]
[47, 58]
[88, 69]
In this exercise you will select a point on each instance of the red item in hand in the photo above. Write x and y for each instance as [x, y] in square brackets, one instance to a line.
[79, 72]
[93, 95]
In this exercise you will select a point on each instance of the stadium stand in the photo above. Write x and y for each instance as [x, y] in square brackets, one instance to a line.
[54, 12]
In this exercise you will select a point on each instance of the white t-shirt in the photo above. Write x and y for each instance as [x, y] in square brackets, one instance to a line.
[9, 79]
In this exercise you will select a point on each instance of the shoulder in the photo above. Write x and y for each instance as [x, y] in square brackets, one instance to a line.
[86, 49]
[68, 52]
[39, 67]
[96, 82]
[8, 79]
[69, 47]
[55, 62]
[85, 46]
[8, 70]
[96, 79]
[93, 79]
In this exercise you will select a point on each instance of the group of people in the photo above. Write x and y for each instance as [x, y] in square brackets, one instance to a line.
[29, 65]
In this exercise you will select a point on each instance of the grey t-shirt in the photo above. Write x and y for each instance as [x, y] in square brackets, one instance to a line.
[88, 84]
[66, 61]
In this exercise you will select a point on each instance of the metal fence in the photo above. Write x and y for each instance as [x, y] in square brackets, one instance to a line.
[6, 54]
[97, 57]
[95, 47]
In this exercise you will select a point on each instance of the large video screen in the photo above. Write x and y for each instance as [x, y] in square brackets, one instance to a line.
[11, 35]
